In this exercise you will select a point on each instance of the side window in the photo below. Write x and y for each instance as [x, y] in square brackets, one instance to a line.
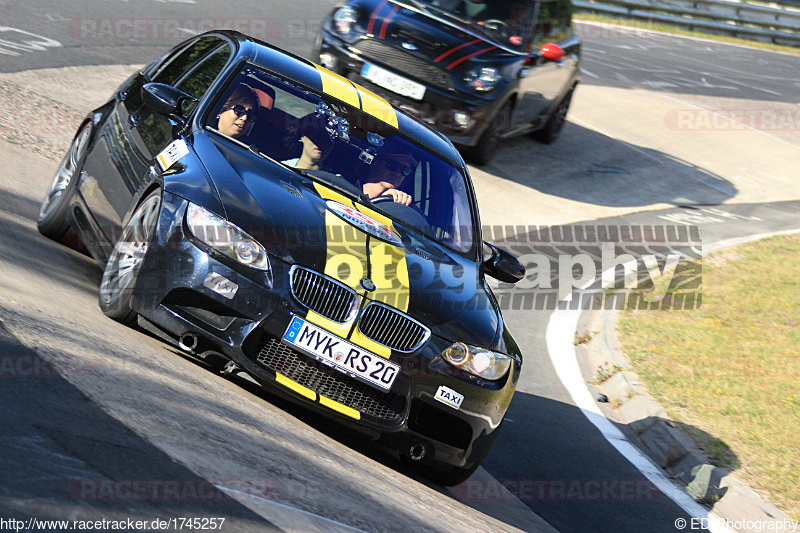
[197, 81]
[192, 71]
[176, 67]
[554, 22]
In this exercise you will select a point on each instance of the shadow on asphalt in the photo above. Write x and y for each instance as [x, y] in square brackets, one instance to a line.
[587, 166]
[65, 457]
[559, 464]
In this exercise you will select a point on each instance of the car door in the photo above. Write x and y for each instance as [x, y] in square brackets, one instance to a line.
[541, 80]
[109, 174]
[132, 134]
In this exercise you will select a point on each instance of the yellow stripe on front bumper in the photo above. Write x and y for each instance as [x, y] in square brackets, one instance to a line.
[299, 389]
[336, 406]
[339, 87]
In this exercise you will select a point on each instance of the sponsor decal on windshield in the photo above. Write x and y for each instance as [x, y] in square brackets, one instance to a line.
[364, 223]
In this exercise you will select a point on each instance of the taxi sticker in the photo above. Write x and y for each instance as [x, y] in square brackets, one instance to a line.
[174, 151]
[221, 285]
[448, 396]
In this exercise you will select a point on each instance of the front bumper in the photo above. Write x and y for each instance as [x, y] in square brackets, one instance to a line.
[437, 106]
[171, 292]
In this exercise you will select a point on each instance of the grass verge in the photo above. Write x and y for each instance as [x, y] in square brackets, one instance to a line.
[677, 30]
[730, 371]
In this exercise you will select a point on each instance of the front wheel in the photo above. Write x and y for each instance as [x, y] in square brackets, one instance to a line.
[552, 128]
[483, 152]
[125, 261]
[52, 220]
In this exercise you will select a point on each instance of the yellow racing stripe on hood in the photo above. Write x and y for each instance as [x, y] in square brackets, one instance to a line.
[346, 259]
[339, 87]
[389, 269]
[347, 262]
[389, 272]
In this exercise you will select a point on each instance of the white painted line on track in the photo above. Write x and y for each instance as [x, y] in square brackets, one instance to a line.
[560, 332]
[286, 517]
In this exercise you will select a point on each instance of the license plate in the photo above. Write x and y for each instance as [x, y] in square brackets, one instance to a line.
[340, 354]
[393, 82]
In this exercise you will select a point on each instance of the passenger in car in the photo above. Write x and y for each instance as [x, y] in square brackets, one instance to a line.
[237, 115]
[388, 171]
[317, 145]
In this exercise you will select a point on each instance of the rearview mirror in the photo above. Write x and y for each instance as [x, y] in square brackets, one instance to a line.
[503, 266]
[165, 99]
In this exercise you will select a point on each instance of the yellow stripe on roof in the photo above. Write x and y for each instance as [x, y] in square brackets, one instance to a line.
[378, 107]
[338, 87]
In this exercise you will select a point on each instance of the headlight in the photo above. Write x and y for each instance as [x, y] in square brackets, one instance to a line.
[479, 361]
[226, 238]
[344, 18]
[483, 79]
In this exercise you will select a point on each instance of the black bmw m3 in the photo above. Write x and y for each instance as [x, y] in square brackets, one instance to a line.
[272, 217]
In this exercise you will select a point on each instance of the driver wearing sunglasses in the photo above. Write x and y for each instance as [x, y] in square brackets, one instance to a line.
[238, 113]
[387, 172]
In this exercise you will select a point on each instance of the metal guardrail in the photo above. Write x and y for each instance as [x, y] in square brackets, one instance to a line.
[777, 23]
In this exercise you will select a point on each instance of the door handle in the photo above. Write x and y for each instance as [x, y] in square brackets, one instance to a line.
[134, 120]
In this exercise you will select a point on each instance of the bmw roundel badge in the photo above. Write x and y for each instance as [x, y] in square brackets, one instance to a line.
[368, 285]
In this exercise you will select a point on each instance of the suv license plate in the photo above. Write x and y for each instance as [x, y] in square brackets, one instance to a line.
[342, 355]
[393, 82]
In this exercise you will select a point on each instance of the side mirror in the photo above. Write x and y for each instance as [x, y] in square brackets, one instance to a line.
[165, 99]
[503, 266]
[552, 52]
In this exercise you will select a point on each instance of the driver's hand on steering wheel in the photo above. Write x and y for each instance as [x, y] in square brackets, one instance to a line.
[398, 196]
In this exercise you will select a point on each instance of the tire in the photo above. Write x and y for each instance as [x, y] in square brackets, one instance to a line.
[53, 221]
[483, 152]
[552, 128]
[122, 268]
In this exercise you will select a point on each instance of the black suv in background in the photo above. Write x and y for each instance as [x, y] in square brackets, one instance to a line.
[479, 71]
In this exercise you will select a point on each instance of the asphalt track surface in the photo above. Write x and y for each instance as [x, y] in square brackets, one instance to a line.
[547, 444]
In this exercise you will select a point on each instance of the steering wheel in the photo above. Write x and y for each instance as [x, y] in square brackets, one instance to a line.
[381, 199]
[384, 198]
[496, 25]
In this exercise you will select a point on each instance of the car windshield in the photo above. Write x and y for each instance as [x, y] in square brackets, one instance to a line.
[348, 150]
[508, 23]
